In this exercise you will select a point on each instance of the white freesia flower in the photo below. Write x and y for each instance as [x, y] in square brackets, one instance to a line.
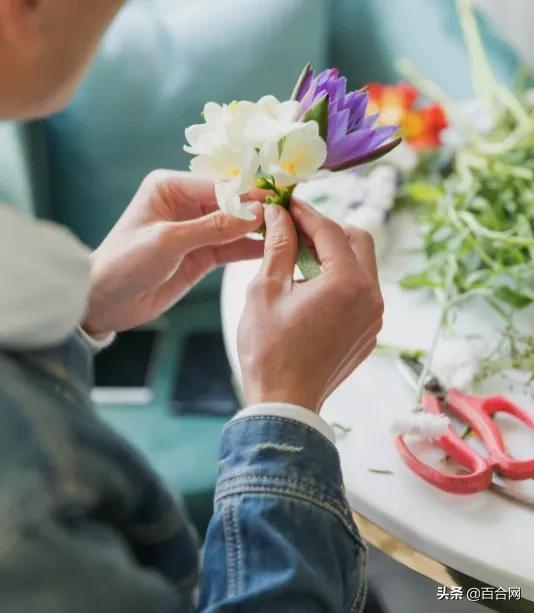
[296, 158]
[242, 122]
[270, 120]
[226, 145]
[234, 172]
[225, 124]
[421, 425]
[455, 363]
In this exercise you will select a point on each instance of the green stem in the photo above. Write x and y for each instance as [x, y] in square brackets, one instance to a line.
[306, 261]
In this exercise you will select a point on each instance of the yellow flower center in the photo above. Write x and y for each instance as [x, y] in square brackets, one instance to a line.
[234, 171]
[290, 168]
[232, 107]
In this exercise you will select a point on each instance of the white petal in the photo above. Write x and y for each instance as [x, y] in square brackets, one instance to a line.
[227, 194]
[287, 112]
[268, 156]
[202, 138]
[238, 117]
[304, 149]
[248, 161]
[201, 166]
[213, 112]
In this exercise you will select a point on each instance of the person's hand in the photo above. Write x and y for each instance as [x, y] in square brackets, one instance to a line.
[170, 236]
[298, 341]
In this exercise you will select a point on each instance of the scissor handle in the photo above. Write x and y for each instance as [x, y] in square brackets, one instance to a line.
[479, 477]
[477, 411]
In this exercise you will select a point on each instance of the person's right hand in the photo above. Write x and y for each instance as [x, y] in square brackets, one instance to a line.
[298, 341]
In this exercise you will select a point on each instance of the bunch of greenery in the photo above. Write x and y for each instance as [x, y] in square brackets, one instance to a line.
[476, 207]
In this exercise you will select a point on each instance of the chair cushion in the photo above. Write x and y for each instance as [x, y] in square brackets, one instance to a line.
[370, 35]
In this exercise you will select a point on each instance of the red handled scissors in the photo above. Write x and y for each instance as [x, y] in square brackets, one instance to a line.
[476, 412]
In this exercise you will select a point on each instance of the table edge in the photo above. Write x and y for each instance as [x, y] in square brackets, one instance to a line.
[408, 556]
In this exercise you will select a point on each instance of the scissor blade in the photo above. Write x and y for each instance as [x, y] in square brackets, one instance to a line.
[410, 370]
[499, 486]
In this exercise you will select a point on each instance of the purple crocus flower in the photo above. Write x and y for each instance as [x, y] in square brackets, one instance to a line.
[351, 137]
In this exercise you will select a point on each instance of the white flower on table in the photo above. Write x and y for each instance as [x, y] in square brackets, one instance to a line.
[455, 363]
[421, 425]
[296, 157]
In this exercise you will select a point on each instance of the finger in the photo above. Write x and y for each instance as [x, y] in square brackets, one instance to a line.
[280, 253]
[362, 244]
[178, 189]
[328, 237]
[243, 249]
[256, 194]
[215, 229]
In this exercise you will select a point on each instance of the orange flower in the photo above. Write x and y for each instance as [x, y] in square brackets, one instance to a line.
[420, 126]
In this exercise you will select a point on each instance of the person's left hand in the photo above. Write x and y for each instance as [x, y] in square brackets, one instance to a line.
[170, 236]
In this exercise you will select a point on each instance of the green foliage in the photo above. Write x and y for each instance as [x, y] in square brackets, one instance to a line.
[476, 208]
[483, 216]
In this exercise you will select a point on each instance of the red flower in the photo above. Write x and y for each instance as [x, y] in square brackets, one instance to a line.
[420, 126]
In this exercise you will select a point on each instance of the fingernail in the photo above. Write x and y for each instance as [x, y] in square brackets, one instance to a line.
[272, 211]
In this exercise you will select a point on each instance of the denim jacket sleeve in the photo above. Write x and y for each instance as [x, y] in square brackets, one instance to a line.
[86, 526]
[282, 536]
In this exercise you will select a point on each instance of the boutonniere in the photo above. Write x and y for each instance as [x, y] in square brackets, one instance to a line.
[276, 145]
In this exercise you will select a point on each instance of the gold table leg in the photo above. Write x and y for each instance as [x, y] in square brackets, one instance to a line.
[426, 566]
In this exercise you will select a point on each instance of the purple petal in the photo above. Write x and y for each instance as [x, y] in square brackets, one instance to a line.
[305, 83]
[338, 123]
[358, 108]
[369, 157]
[382, 134]
[338, 90]
[350, 146]
[369, 121]
[327, 75]
[310, 97]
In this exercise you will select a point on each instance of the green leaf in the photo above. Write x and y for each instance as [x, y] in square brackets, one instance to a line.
[319, 113]
[513, 297]
[424, 192]
[417, 280]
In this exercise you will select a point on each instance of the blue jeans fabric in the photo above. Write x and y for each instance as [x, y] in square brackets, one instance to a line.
[86, 526]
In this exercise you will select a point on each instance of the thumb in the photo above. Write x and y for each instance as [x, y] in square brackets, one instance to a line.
[216, 228]
[280, 251]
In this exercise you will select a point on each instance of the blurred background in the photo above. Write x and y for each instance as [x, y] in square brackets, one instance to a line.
[168, 388]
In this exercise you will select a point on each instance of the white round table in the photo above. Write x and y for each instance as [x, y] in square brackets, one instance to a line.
[484, 536]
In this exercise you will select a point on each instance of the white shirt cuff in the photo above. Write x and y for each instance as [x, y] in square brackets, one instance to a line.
[289, 411]
[96, 345]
